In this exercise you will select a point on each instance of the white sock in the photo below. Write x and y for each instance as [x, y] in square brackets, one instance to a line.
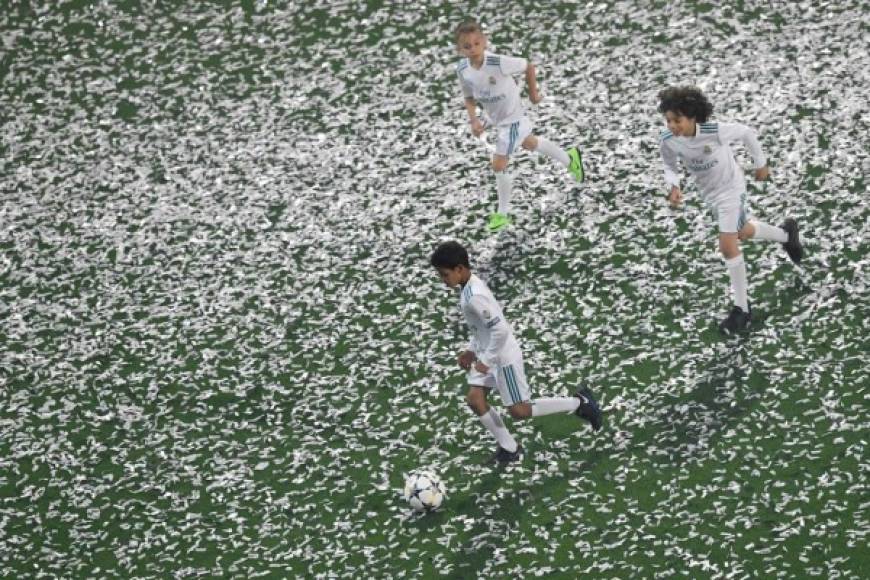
[765, 231]
[505, 185]
[495, 425]
[552, 151]
[542, 407]
[737, 271]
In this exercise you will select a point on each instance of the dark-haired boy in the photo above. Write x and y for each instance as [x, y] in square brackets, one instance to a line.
[493, 358]
[704, 149]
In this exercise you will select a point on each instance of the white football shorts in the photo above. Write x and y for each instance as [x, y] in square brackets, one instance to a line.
[511, 135]
[732, 214]
[508, 378]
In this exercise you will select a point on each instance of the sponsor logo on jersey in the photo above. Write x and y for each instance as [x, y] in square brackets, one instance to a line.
[702, 164]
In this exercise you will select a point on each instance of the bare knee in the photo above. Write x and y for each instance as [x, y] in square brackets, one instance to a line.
[729, 245]
[520, 411]
[746, 232]
[476, 399]
[728, 253]
[530, 143]
[499, 163]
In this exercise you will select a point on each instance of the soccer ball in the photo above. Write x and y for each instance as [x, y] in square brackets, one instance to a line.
[424, 491]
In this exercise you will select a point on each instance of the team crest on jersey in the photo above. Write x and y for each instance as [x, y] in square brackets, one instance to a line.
[708, 149]
[486, 314]
[492, 80]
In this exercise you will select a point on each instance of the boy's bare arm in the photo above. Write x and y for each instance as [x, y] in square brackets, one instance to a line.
[532, 82]
[466, 358]
[471, 109]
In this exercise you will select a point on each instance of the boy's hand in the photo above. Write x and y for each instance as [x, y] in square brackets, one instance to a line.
[476, 127]
[762, 173]
[535, 97]
[465, 359]
[675, 197]
[480, 367]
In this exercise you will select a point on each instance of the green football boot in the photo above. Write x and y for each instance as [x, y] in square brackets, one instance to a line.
[576, 166]
[498, 222]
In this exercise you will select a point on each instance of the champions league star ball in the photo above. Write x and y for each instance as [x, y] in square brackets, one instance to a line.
[424, 491]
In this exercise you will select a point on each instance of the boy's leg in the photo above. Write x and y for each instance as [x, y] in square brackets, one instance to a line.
[582, 404]
[569, 159]
[516, 394]
[548, 148]
[787, 235]
[492, 421]
[551, 405]
[490, 418]
[756, 230]
[732, 219]
[503, 182]
[505, 144]
[730, 248]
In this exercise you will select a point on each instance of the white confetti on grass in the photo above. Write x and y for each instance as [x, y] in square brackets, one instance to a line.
[223, 343]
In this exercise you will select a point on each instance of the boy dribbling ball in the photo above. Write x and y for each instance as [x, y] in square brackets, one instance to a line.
[703, 148]
[493, 358]
[487, 79]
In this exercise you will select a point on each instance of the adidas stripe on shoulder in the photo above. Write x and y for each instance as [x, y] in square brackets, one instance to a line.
[665, 135]
[708, 128]
[467, 292]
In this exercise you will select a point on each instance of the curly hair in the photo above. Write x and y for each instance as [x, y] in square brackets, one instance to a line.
[687, 101]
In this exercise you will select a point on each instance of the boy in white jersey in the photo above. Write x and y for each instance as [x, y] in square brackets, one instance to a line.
[704, 149]
[493, 358]
[486, 79]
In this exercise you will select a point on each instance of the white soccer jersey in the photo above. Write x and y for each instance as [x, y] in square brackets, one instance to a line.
[708, 156]
[493, 86]
[492, 337]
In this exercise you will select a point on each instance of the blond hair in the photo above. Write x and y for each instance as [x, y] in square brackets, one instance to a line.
[466, 27]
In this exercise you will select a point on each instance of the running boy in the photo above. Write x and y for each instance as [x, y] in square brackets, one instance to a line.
[486, 79]
[493, 358]
[704, 149]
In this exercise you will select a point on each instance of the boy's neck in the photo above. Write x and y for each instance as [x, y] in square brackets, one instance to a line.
[465, 278]
[477, 63]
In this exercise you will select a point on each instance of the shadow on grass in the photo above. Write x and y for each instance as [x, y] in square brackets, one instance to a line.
[512, 247]
[787, 298]
[682, 427]
[490, 529]
[483, 535]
